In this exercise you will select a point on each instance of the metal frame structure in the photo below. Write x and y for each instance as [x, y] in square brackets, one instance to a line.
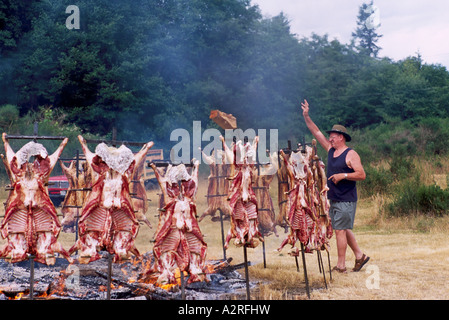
[114, 142]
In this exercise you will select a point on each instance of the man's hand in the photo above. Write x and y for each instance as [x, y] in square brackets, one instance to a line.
[324, 142]
[305, 108]
[336, 178]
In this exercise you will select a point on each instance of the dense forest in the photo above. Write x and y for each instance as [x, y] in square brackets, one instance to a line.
[150, 66]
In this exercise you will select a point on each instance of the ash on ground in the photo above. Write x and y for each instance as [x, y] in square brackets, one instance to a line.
[89, 282]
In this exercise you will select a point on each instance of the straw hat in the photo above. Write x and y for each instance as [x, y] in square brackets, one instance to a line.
[341, 130]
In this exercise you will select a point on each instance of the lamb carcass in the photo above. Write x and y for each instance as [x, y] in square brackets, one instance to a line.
[243, 201]
[319, 204]
[324, 226]
[284, 185]
[74, 197]
[30, 225]
[179, 242]
[139, 193]
[300, 216]
[308, 207]
[108, 220]
[218, 188]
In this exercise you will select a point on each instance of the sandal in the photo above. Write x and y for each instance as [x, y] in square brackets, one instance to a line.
[339, 270]
[359, 263]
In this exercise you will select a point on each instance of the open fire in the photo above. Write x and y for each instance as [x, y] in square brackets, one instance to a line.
[128, 281]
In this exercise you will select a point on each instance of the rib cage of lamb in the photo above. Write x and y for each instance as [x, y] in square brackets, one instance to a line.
[108, 220]
[242, 199]
[179, 242]
[80, 183]
[30, 225]
[307, 204]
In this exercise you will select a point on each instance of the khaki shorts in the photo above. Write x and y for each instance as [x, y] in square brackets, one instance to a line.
[342, 214]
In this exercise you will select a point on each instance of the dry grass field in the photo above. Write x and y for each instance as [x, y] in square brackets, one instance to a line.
[408, 261]
[409, 257]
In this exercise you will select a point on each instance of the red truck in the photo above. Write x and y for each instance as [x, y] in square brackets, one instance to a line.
[57, 189]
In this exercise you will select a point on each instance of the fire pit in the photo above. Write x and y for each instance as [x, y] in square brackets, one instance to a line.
[66, 281]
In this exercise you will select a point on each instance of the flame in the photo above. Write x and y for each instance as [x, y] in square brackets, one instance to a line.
[178, 276]
[19, 296]
[209, 268]
[133, 275]
[59, 288]
[152, 280]
[167, 287]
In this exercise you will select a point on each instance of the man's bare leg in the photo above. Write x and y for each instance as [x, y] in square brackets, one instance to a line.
[342, 244]
[351, 241]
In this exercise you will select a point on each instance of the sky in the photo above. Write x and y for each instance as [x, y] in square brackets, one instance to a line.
[407, 26]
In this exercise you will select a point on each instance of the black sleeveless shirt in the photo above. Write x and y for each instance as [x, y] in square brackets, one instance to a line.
[345, 190]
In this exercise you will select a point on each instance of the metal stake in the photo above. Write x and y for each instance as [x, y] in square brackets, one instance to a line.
[31, 259]
[263, 195]
[321, 264]
[76, 195]
[264, 258]
[183, 289]
[305, 270]
[108, 292]
[318, 258]
[35, 129]
[297, 263]
[245, 256]
[222, 234]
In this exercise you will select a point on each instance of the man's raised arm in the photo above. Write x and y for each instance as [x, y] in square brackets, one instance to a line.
[313, 127]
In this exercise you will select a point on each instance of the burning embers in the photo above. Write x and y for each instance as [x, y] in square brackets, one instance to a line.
[128, 281]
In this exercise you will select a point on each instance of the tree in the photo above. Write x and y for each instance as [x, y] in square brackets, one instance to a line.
[15, 21]
[149, 67]
[366, 32]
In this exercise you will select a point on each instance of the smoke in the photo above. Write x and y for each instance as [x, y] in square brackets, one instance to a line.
[7, 66]
[209, 57]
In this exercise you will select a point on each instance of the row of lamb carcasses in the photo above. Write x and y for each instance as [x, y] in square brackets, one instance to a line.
[109, 218]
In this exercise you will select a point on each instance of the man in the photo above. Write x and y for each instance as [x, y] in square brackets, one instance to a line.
[344, 168]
